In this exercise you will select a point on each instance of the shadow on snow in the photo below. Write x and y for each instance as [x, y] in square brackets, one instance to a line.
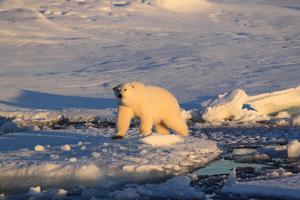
[42, 100]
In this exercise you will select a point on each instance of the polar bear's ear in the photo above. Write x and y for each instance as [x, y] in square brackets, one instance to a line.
[137, 83]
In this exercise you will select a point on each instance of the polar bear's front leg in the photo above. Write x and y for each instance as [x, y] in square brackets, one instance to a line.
[146, 124]
[125, 115]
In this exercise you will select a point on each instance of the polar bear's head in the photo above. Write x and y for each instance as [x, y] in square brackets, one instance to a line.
[127, 93]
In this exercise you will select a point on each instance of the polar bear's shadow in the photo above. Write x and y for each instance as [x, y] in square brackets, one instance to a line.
[42, 100]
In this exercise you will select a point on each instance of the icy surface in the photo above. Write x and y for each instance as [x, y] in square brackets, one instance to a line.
[282, 188]
[60, 58]
[162, 140]
[175, 188]
[103, 162]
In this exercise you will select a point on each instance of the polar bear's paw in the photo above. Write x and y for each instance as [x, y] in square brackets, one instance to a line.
[116, 137]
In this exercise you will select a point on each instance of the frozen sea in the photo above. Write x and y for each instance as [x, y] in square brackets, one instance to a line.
[59, 60]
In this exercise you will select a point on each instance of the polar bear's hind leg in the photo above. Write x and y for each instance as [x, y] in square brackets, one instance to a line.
[146, 124]
[178, 125]
[161, 128]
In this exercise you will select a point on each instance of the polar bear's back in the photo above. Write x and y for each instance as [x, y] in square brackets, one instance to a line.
[164, 103]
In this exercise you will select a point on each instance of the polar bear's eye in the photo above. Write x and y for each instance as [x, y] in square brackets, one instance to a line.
[125, 90]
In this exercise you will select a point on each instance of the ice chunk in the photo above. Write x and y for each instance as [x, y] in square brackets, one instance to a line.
[34, 190]
[238, 106]
[174, 188]
[162, 140]
[296, 121]
[39, 148]
[126, 194]
[73, 159]
[231, 178]
[96, 154]
[56, 194]
[120, 2]
[66, 147]
[276, 101]
[226, 107]
[278, 188]
[283, 114]
[294, 149]
[184, 6]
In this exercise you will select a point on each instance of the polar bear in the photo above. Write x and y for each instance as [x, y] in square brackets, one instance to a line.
[153, 105]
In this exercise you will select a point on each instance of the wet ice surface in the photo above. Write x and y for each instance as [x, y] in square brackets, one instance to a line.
[263, 148]
[247, 136]
[68, 144]
[89, 157]
[79, 146]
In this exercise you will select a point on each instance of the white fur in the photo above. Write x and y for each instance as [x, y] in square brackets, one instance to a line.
[154, 106]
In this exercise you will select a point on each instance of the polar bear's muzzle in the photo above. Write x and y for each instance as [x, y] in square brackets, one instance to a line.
[117, 91]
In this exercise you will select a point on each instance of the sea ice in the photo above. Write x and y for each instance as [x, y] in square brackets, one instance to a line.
[162, 140]
[238, 106]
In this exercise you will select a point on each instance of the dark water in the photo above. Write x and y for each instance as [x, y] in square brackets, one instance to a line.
[223, 167]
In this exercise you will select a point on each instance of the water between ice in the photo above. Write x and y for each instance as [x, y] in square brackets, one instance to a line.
[223, 166]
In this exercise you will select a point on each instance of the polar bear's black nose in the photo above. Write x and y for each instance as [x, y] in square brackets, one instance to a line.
[120, 96]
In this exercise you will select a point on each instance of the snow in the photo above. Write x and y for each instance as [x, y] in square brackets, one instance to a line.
[283, 114]
[105, 163]
[238, 106]
[34, 190]
[293, 149]
[162, 140]
[60, 59]
[73, 159]
[15, 177]
[66, 147]
[85, 51]
[39, 148]
[226, 106]
[37, 193]
[174, 188]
